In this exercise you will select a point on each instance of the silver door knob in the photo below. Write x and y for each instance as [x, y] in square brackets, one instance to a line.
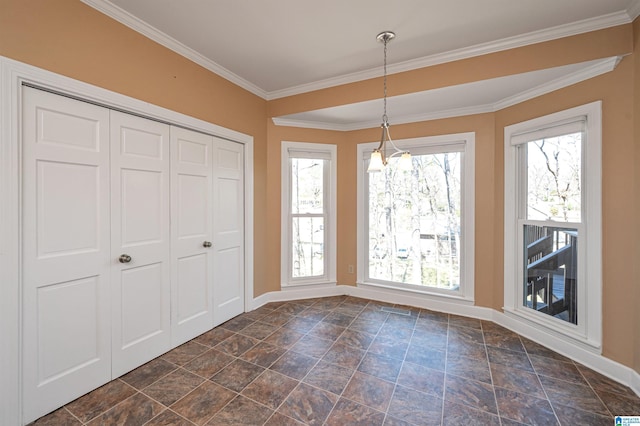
[206, 244]
[124, 258]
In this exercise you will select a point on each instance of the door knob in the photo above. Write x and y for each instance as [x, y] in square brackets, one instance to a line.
[124, 258]
[206, 244]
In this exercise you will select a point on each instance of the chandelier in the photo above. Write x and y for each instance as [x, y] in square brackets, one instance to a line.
[379, 159]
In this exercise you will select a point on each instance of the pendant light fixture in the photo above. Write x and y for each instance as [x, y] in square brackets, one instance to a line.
[379, 159]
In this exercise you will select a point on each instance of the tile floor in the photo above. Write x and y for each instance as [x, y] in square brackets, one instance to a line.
[348, 361]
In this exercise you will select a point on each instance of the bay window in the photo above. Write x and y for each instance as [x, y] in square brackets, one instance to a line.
[416, 226]
[553, 222]
[308, 213]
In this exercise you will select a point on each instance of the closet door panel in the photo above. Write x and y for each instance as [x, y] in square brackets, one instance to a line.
[141, 204]
[228, 201]
[141, 292]
[140, 240]
[192, 256]
[66, 299]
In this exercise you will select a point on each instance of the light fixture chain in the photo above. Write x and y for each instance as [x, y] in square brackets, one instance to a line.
[379, 159]
[384, 116]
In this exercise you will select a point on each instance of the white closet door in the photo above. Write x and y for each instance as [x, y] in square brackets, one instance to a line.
[191, 234]
[66, 300]
[140, 241]
[228, 227]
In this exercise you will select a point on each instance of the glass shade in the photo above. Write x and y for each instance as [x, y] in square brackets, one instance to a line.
[375, 164]
[405, 162]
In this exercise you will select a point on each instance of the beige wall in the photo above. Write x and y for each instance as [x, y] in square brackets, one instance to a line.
[618, 171]
[276, 135]
[618, 160]
[70, 38]
[347, 142]
[636, 185]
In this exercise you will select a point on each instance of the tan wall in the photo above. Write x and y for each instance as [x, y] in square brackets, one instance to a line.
[636, 181]
[276, 135]
[618, 160]
[72, 39]
[483, 126]
[347, 177]
[618, 172]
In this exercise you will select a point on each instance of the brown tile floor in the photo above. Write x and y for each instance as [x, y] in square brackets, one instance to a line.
[348, 361]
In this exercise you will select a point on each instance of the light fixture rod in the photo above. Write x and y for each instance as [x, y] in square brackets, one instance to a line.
[379, 158]
[385, 37]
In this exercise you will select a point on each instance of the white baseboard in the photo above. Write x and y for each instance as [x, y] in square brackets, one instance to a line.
[297, 293]
[594, 361]
[568, 348]
[635, 381]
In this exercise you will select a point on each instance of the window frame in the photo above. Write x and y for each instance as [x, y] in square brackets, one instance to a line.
[328, 152]
[588, 331]
[424, 145]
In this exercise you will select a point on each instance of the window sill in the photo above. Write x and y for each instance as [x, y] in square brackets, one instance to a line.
[449, 297]
[553, 329]
[297, 285]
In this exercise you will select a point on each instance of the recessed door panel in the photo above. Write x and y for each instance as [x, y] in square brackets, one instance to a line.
[140, 241]
[141, 300]
[229, 277]
[145, 143]
[228, 222]
[65, 250]
[71, 130]
[193, 275]
[67, 309]
[193, 206]
[193, 152]
[141, 207]
[230, 217]
[66, 223]
[192, 236]
[229, 159]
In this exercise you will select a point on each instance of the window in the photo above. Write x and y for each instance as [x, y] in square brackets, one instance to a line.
[553, 223]
[416, 227]
[308, 214]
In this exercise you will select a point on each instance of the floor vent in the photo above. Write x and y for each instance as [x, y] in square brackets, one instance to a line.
[397, 311]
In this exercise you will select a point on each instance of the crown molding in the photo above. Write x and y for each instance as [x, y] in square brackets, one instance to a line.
[601, 67]
[634, 10]
[579, 27]
[595, 70]
[125, 18]
[307, 124]
[575, 28]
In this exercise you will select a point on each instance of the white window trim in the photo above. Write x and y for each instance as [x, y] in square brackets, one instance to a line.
[330, 247]
[588, 332]
[466, 292]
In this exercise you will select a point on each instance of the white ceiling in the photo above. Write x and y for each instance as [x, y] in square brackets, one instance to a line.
[277, 48]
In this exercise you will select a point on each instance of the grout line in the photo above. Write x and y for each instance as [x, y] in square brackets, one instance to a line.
[444, 382]
[553, 410]
[328, 309]
[72, 415]
[493, 385]
[356, 369]
[174, 412]
[594, 391]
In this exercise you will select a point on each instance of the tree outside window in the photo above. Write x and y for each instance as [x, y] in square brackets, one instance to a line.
[417, 226]
[414, 222]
